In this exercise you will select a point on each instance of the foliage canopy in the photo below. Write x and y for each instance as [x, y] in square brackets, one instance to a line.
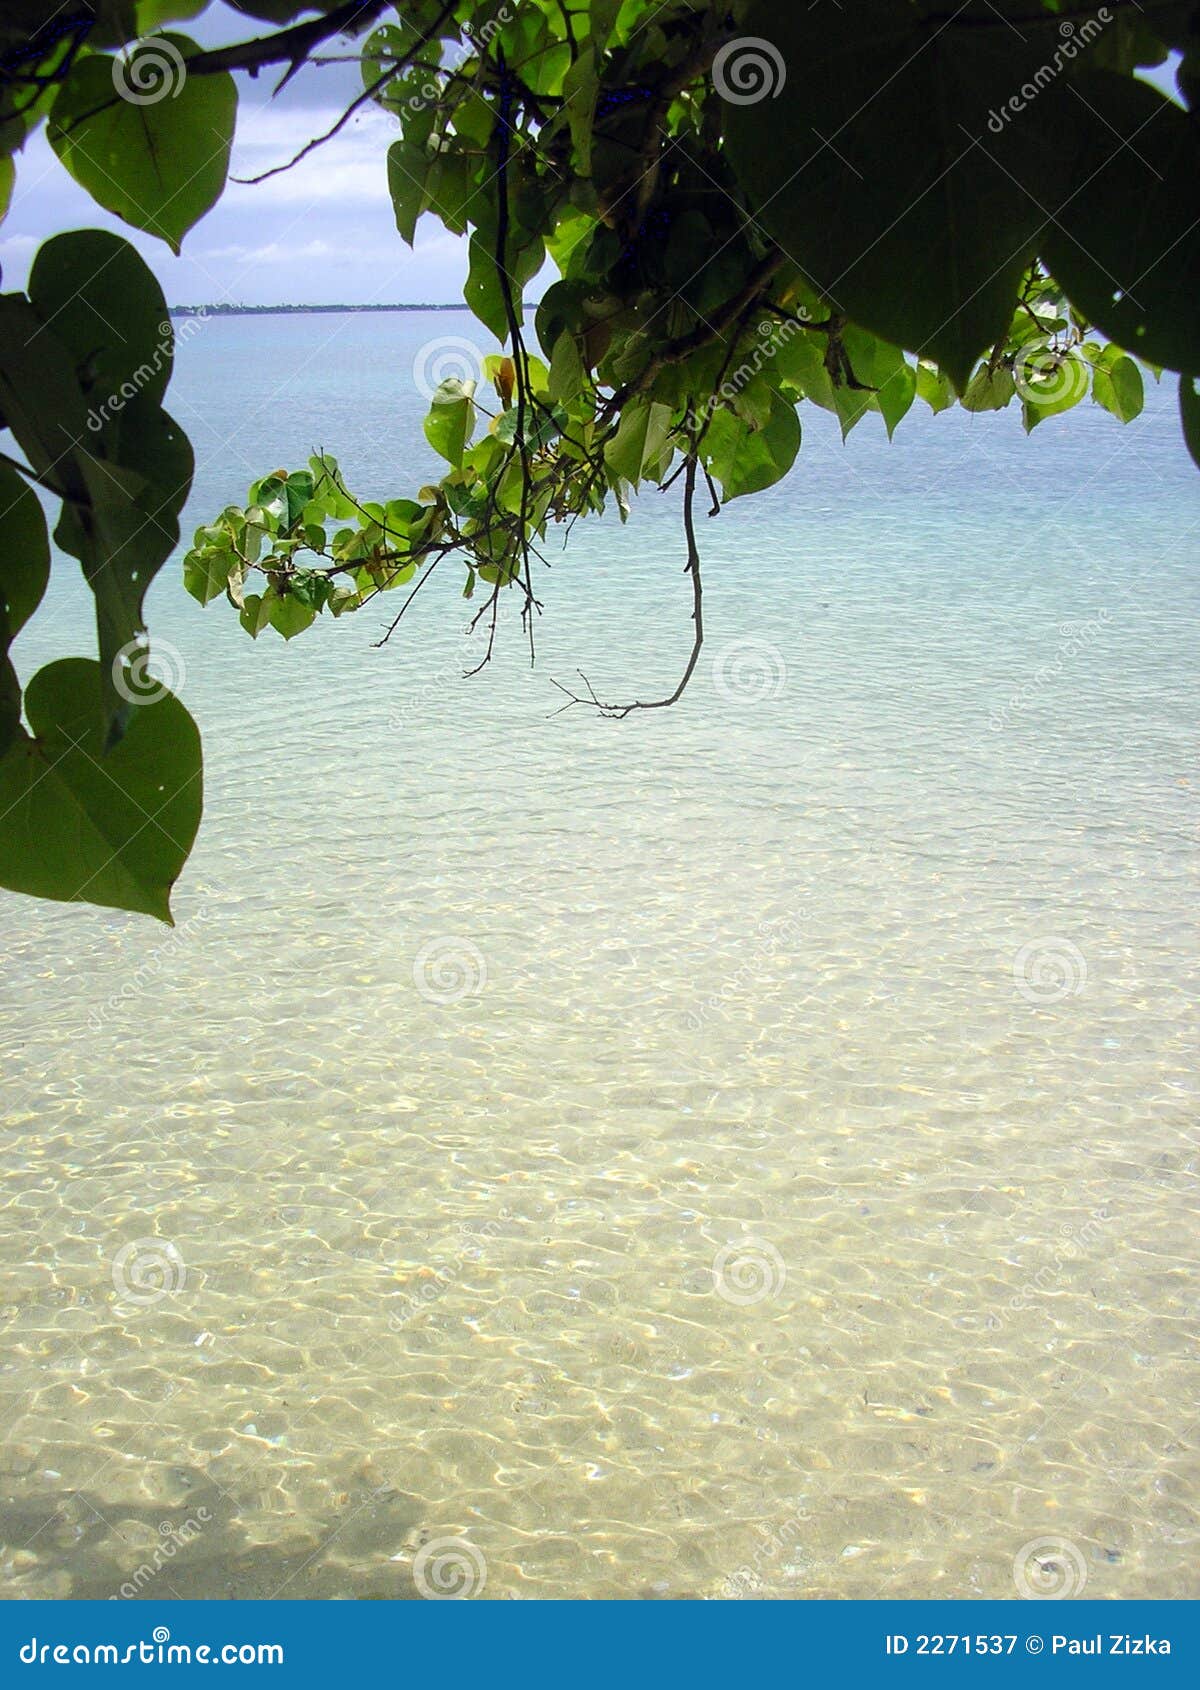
[750, 206]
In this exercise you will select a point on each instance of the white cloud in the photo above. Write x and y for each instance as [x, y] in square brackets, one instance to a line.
[351, 166]
[274, 252]
[319, 233]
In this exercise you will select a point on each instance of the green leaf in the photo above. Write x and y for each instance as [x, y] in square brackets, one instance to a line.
[129, 525]
[82, 366]
[283, 498]
[801, 363]
[883, 179]
[255, 613]
[747, 460]
[289, 614]
[1126, 243]
[567, 374]
[1117, 385]
[640, 438]
[24, 550]
[310, 587]
[342, 599]
[451, 419]
[104, 306]
[1189, 411]
[40, 399]
[407, 165]
[581, 85]
[10, 696]
[933, 387]
[1049, 381]
[989, 390]
[85, 825]
[483, 292]
[206, 572]
[540, 428]
[882, 367]
[152, 14]
[24, 571]
[474, 119]
[148, 142]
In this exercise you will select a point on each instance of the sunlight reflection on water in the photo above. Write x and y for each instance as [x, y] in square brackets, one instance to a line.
[745, 1151]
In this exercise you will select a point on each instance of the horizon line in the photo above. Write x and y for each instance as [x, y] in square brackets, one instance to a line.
[223, 309]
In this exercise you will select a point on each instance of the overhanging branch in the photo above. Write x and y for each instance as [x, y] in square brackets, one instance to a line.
[618, 712]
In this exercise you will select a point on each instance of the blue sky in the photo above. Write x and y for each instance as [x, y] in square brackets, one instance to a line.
[321, 232]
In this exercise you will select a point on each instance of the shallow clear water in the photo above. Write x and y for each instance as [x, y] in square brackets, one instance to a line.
[747, 1149]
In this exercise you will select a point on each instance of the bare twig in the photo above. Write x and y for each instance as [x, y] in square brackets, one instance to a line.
[618, 712]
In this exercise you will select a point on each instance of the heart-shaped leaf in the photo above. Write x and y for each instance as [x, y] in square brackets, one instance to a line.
[1189, 410]
[148, 142]
[83, 364]
[24, 571]
[1125, 244]
[82, 824]
[895, 179]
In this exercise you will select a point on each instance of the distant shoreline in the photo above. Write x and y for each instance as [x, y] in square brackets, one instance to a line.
[297, 310]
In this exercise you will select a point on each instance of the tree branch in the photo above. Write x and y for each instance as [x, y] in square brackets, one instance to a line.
[618, 712]
[704, 335]
[291, 46]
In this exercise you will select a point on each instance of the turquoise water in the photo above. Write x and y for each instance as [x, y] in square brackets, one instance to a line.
[746, 1149]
